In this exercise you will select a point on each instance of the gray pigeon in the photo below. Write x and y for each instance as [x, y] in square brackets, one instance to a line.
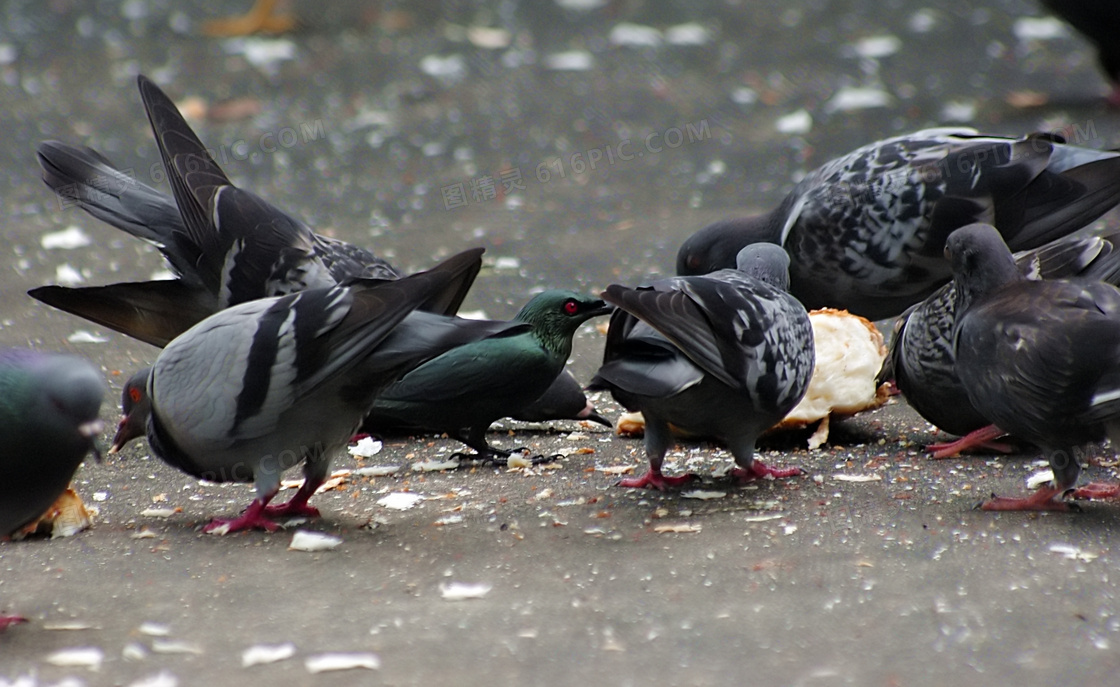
[725, 355]
[49, 405]
[267, 385]
[921, 363]
[865, 232]
[1040, 359]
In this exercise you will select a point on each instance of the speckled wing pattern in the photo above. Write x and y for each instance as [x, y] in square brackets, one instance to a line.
[921, 351]
[750, 336]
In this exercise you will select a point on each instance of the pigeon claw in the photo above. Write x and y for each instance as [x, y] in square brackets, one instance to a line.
[1097, 490]
[6, 620]
[653, 479]
[1047, 498]
[759, 470]
[983, 438]
[253, 517]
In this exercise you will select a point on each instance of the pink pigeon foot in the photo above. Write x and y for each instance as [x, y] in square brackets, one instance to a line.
[254, 516]
[1097, 490]
[980, 438]
[1046, 498]
[759, 470]
[653, 479]
[297, 506]
[6, 620]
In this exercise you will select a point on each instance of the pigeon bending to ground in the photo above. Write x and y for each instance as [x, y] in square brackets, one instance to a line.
[266, 385]
[564, 400]
[725, 355]
[225, 245]
[866, 231]
[463, 391]
[1040, 359]
[921, 351]
[1099, 21]
[49, 405]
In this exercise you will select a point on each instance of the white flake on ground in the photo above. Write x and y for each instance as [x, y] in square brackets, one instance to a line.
[400, 500]
[84, 336]
[67, 276]
[858, 98]
[1039, 28]
[635, 35]
[876, 47]
[378, 471]
[161, 679]
[323, 663]
[304, 540]
[799, 122]
[857, 478]
[261, 654]
[154, 629]
[77, 657]
[688, 34]
[703, 495]
[462, 591]
[67, 239]
[365, 448]
[570, 61]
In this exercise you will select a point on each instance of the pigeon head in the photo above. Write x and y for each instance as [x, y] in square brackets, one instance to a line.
[982, 263]
[136, 406]
[766, 262]
[71, 396]
[555, 315]
[715, 246]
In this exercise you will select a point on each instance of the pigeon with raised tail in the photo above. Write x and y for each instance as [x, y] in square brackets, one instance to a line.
[865, 232]
[725, 355]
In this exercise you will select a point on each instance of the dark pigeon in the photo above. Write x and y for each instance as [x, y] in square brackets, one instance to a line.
[865, 232]
[921, 362]
[49, 409]
[564, 400]
[1099, 21]
[725, 355]
[1039, 358]
[468, 388]
[225, 245]
[269, 384]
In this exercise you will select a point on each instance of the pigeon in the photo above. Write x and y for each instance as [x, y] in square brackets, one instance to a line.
[725, 355]
[1099, 21]
[921, 351]
[468, 388]
[564, 400]
[225, 245]
[265, 385]
[1039, 358]
[49, 408]
[865, 232]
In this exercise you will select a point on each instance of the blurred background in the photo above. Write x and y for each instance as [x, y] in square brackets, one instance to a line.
[579, 141]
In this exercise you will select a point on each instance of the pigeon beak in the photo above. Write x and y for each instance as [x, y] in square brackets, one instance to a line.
[596, 417]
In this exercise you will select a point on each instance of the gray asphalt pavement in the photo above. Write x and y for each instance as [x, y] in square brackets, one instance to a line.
[579, 141]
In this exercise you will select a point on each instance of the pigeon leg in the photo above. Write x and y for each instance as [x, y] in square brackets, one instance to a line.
[1047, 497]
[759, 470]
[980, 438]
[658, 439]
[6, 620]
[314, 474]
[1097, 490]
[254, 515]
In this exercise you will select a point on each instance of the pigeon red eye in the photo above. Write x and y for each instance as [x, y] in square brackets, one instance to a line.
[135, 395]
[571, 308]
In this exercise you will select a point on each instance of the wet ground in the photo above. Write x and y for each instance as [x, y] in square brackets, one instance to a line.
[580, 141]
